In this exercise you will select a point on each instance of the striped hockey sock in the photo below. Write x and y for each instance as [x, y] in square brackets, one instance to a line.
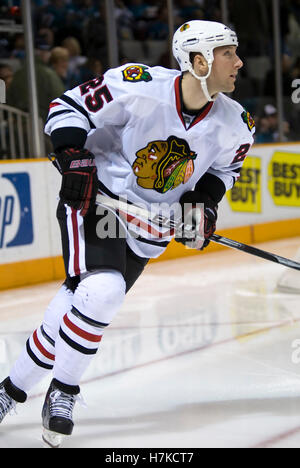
[38, 355]
[78, 342]
[96, 300]
[35, 361]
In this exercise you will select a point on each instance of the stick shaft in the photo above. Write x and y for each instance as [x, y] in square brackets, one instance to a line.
[255, 251]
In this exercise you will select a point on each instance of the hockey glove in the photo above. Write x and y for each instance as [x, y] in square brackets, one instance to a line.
[200, 223]
[79, 178]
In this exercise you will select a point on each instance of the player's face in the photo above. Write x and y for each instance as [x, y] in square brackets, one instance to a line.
[224, 71]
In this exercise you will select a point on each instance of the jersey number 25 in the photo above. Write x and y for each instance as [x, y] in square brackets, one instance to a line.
[95, 102]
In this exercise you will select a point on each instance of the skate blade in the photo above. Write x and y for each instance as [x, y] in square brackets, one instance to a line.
[52, 439]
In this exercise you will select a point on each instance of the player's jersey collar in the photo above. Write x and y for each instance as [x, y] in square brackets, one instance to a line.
[180, 107]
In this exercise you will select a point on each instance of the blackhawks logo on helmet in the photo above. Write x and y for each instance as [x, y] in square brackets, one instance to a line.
[135, 73]
[248, 120]
[184, 27]
[162, 165]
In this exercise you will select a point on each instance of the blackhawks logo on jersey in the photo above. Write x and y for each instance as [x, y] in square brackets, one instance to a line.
[135, 73]
[248, 120]
[164, 164]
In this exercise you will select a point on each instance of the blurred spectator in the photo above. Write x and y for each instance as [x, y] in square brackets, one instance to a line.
[49, 85]
[80, 26]
[140, 24]
[54, 15]
[79, 12]
[267, 127]
[47, 35]
[94, 36]
[159, 28]
[138, 8]
[59, 61]
[4, 47]
[90, 70]
[42, 49]
[6, 74]
[124, 18]
[187, 9]
[75, 58]
[18, 47]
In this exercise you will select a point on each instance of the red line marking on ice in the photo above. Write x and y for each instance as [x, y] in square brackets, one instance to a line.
[277, 438]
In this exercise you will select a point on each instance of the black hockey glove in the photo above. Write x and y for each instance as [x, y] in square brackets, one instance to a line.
[79, 178]
[201, 223]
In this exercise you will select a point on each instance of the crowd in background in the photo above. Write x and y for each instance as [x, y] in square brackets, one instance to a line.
[70, 39]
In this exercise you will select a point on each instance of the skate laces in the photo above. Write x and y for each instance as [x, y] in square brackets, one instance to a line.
[62, 404]
[7, 404]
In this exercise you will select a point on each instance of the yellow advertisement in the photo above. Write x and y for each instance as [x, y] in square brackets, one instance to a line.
[245, 195]
[284, 178]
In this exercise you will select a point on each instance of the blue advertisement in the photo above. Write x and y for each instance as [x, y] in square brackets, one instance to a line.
[16, 211]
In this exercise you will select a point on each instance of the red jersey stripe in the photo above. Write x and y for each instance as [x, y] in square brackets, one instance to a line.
[146, 227]
[202, 114]
[76, 242]
[54, 104]
[177, 97]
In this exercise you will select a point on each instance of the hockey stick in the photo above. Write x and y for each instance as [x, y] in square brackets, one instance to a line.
[255, 251]
[162, 222]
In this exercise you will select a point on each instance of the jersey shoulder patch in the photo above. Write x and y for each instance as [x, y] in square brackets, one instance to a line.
[248, 120]
[135, 73]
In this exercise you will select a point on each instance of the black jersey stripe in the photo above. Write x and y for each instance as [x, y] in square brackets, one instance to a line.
[149, 241]
[55, 114]
[78, 107]
[110, 194]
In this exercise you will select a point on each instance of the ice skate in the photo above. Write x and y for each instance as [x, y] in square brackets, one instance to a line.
[10, 395]
[57, 413]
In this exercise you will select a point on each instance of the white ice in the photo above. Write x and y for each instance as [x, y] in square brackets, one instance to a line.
[202, 354]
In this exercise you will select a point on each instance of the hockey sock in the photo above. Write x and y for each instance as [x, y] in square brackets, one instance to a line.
[37, 357]
[96, 300]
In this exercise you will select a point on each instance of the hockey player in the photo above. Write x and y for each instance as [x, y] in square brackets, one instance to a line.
[149, 135]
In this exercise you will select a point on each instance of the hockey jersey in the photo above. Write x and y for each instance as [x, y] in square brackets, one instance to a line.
[145, 149]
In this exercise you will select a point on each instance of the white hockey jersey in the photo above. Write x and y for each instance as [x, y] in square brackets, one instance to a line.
[145, 150]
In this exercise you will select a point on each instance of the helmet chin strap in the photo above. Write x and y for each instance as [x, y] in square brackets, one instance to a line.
[202, 80]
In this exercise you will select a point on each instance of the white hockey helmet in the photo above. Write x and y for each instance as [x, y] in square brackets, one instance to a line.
[201, 36]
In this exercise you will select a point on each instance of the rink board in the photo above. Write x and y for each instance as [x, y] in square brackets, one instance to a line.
[266, 195]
